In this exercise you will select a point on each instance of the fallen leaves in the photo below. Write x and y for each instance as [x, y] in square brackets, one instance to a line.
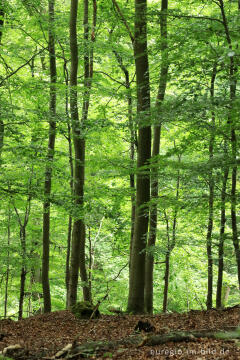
[43, 336]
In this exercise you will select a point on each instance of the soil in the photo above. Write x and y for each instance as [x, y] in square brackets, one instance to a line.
[42, 336]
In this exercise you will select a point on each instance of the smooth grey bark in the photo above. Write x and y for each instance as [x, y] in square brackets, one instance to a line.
[137, 270]
[148, 296]
[50, 156]
[211, 196]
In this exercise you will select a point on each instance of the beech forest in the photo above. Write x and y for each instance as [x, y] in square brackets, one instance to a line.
[119, 181]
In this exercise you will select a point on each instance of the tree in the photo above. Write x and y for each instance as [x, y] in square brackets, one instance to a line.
[155, 152]
[137, 270]
[78, 142]
[211, 194]
[232, 119]
[2, 13]
[50, 154]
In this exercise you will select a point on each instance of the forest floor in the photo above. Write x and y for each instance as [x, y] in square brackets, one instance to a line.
[42, 336]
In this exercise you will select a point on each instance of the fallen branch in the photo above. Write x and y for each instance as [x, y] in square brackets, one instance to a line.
[72, 351]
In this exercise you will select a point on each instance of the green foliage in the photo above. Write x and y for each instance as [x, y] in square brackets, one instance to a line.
[195, 44]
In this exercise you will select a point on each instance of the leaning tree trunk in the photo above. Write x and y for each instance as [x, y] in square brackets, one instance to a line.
[211, 197]
[137, 270]
[148, 296]
[50, 154]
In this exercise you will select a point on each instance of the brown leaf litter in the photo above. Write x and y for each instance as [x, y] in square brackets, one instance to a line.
[42, 336]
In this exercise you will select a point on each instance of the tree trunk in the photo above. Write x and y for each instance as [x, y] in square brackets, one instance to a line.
[132, 145]
[23, 270]
[23, 225]
[155, 152]
[8, 269]
[91, 261]
[88, 74]
[221, 239]
[77, 141]
[166, 281]
[78, 237]
[137, 271]
[67, 271]
[1, 32]
[211, 197]
[69, 139]
[50, 155]
[233, 69]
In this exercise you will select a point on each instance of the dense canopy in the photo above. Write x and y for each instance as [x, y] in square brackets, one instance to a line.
[119, 154]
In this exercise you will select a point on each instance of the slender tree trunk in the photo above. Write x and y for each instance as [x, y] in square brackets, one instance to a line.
[132, 176]
[166, 281]
[78, 180]
[78, 237]
[69, 139]
[1, 32]
[167, 265]
[221, 239]
[132, 144]
[67, 271]
[211, 198]
[2, 13]
[8, 269]
[233, 68]
[91, 261]
[137, 270]
[23, 270]
[1, 136]
[88, 74]
[171, 242]
[23, 225]
[155, 152]
[50, 155]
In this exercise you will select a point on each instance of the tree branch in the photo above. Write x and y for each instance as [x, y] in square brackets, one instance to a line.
[123, 20]
[22, 66]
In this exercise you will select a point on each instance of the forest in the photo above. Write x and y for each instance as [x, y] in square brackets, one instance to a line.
[119, 154]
